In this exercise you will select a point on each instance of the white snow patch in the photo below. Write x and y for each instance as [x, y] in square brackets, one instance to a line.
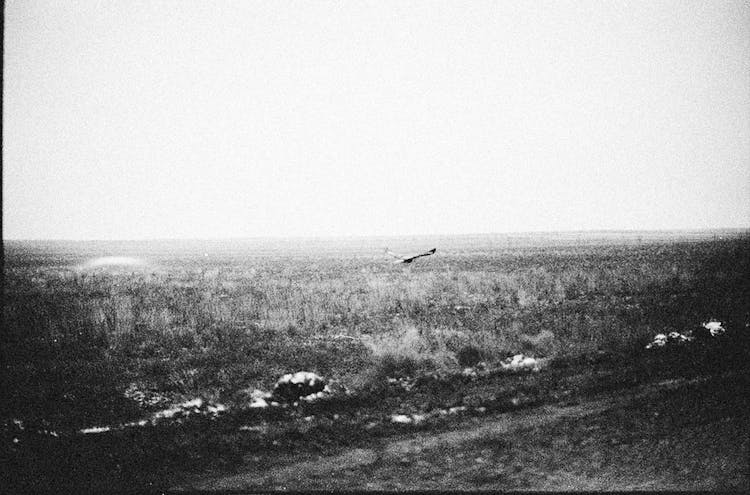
[301, 377]
[660, 340]
[519, 361]
[218, 408]
[715, 327]
[259, 429]
[419, 418]
[95, 429]
[401, 418]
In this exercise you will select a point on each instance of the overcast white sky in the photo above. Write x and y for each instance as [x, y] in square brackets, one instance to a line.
[206, 119]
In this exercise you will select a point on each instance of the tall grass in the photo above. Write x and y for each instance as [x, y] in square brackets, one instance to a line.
[216, 328]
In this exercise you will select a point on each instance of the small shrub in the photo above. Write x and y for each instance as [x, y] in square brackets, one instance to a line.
[541, 344]
[391, 365]
[469, 356]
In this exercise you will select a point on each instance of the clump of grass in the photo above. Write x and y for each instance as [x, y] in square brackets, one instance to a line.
[399, 352]
[408, 347]
[469, 355]
[542, 344]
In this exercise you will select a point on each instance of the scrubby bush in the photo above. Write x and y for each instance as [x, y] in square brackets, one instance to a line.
[541, 344]
[469, 355]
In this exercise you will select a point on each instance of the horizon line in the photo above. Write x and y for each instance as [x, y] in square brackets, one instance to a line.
[369, 236]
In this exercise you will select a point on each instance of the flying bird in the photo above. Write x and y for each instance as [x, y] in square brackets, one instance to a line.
[403, 259]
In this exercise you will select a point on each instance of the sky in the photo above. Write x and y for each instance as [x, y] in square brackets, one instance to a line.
[226, 119]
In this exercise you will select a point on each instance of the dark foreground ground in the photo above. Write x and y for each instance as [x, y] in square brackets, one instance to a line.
[669, 419]
[672, 435]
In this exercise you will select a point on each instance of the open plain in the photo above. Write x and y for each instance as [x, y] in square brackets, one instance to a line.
[101, 338]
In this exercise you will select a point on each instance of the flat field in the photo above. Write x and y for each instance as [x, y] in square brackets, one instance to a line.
[91, 330]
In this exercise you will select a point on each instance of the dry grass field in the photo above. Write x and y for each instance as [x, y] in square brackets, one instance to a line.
[217, 320]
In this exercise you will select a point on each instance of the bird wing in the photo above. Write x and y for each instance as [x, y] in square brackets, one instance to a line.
[431, 251]
[391, 253]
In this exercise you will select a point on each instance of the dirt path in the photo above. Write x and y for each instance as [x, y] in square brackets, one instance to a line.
[294, 471]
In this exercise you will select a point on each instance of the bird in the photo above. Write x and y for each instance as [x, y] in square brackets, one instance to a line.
[402, 259]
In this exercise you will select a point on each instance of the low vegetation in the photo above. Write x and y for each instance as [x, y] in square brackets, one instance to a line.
[215, 326]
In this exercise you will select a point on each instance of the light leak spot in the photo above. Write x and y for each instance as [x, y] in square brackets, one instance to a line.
[113, 262]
